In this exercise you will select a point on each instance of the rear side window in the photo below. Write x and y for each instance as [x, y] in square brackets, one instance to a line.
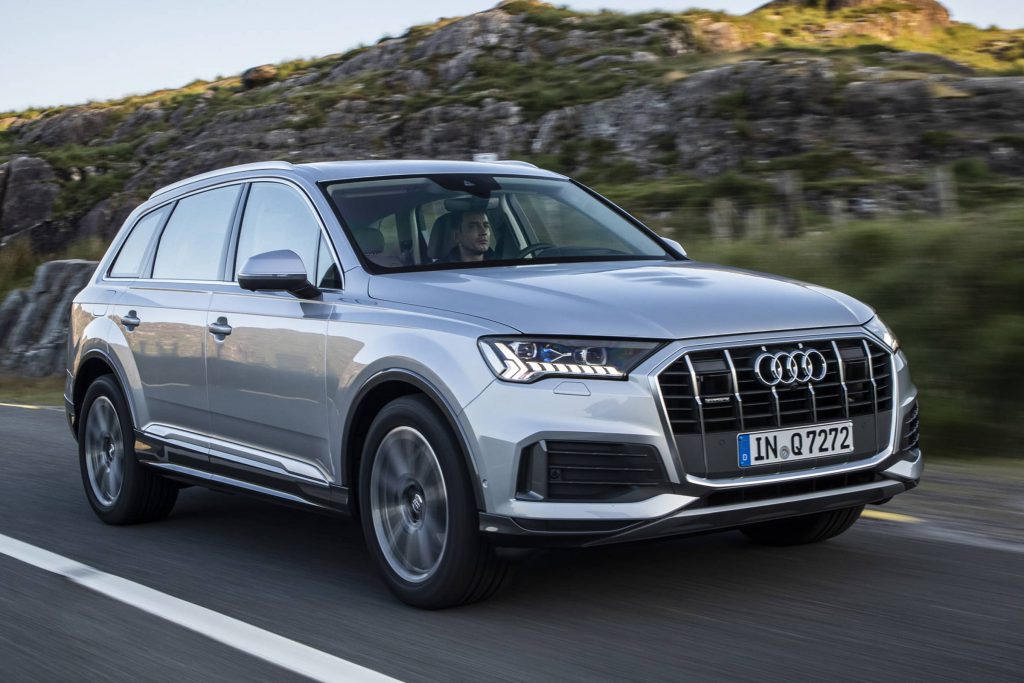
[129, 261]
[192, 244]
[277, 217]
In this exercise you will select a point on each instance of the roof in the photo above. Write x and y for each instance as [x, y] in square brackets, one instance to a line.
[349, 170]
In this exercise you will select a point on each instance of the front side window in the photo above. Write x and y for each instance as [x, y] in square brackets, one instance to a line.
[460, 220]
[328, 275]
[129, 261]
[193, 243]
[276, 217]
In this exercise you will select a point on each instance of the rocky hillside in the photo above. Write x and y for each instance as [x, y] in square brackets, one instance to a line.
[854, 97]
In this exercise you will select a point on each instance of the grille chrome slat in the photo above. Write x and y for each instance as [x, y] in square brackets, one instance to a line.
[735, 386]
[871, 374]
[842, 380]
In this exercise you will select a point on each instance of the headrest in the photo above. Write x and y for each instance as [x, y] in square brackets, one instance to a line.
[370, 240]
[441, 237]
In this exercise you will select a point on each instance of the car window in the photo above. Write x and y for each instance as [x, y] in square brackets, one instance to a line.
[559, 223]
[192, 245]
[129, 261]
[327, 274]
[277, 217]
[459, 220]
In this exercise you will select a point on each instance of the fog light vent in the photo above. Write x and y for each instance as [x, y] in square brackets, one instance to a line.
[590, 471]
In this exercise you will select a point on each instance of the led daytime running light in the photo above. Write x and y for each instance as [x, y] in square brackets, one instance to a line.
[526, 360]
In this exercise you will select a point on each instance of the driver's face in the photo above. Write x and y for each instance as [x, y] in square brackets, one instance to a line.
[474, 235]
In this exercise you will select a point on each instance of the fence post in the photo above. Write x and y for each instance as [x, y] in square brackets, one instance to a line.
[945, 191]
[837, 212]
[755, 222]
[792, 191]
[723, 218]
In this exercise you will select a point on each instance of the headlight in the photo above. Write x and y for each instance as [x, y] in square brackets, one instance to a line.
[876, 327]
[526, 359]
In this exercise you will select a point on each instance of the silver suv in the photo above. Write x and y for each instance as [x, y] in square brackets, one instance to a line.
[469, 357]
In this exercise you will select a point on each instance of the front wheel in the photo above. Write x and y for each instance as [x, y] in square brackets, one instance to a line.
[418, 512]
[804, 529]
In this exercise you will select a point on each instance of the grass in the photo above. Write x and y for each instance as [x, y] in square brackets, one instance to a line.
[43, 391]
[17, 266]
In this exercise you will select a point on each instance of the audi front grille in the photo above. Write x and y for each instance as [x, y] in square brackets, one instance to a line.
[712, 395]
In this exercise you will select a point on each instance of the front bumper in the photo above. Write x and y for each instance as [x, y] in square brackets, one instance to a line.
[694, 518]
[505, 420]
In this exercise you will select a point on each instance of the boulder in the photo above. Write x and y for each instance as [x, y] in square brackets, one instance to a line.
[34, 325]
[384, 55]
[77, 126]
[720, 36]
[258, 75]
[30, 188]
[486, 29]
[104, 219]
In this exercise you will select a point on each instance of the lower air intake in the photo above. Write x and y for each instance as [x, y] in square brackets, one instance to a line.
[590, 471]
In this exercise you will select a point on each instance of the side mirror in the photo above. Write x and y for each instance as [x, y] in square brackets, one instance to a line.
[675, 245]
[277, 271]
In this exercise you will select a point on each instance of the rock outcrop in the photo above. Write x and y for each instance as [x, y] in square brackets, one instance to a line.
[34, 322]
[28, 189]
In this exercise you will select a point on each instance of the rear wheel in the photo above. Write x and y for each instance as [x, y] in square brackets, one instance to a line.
[804, 529]
[119, 489]
[418, 512]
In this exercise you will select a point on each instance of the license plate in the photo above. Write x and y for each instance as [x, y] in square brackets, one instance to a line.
[783, 445]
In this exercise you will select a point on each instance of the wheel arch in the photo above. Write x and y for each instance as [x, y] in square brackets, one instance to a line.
[95, 364]
[377, 392]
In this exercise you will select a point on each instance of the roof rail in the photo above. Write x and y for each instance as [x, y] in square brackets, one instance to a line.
[258, 166]
[515, 162]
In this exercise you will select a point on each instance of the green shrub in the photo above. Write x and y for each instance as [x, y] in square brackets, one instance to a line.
[1015, 141]
[76, 198]
[973, 169]
[939, 140]
[86, 248]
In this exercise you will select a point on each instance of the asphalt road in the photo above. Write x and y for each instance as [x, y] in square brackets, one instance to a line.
[941, 599]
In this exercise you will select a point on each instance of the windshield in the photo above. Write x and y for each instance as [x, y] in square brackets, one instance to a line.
[466, 220]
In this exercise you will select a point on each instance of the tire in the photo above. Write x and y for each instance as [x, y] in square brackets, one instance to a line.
[418, 512]
[119, 488]
[814, 528]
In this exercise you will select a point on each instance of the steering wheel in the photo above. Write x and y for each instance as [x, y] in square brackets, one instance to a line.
[539, 246]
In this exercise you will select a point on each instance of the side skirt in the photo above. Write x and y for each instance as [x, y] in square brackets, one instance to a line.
[192, 466]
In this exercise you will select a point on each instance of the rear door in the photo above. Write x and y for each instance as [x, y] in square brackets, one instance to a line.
[267, 374]
[163, 315]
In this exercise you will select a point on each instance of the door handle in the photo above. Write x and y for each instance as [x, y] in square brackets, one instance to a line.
[220, 329]
[130, 321]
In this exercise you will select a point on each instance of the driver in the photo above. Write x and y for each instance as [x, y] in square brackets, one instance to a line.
[472, 234]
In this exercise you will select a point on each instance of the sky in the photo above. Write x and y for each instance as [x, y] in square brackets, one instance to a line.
[69, 51]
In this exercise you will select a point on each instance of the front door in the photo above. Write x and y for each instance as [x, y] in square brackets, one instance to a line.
[266, 353]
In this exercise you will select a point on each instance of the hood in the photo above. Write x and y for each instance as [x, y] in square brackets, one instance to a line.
[652, 301]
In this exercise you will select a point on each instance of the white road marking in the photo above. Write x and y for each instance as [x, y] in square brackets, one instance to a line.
[270, 647]
[25, 406]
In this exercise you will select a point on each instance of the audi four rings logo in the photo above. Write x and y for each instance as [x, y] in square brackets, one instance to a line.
[790, 367]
